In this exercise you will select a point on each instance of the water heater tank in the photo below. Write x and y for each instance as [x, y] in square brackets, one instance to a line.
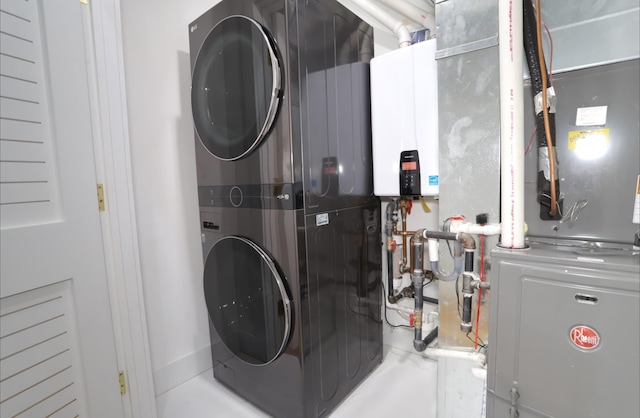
[404, 113]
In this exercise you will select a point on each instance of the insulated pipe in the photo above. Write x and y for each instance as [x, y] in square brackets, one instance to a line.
[396, 26]
[537, 69]
[417, 277]
[511, 123]
[388, 229]
[425, 17]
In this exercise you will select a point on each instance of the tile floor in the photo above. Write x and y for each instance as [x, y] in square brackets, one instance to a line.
[389, 391]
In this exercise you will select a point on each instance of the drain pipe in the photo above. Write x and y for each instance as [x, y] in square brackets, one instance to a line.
[425, 17]
[510, 27]
[397, 27]
[463, 240]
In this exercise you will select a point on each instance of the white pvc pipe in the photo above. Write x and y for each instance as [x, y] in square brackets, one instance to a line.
[426, 18]
[511, 123]
[488, 229]
[433, 249]
[479, 358]
[398, 28]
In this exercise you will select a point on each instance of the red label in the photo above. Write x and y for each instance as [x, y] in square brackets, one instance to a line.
[584, 337]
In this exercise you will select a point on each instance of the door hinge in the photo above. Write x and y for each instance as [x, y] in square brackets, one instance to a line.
[101, 197]
[123, 385]
[513, 411]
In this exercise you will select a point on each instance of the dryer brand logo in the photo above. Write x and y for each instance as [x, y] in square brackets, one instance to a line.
[584, 337]
[194, 27]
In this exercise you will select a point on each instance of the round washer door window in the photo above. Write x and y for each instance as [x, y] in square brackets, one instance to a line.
[236, 87]
[247, 299]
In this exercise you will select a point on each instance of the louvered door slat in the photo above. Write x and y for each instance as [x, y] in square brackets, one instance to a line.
[22, 151]
[18, 46]
[18, 108]
[23, 172]
[16, 88]
[28, 192]
[18, 68]
[37, 353]
[19, 9]
[20, 130]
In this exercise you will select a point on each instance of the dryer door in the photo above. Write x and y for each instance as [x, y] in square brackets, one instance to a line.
[248, 300]
[236, 87]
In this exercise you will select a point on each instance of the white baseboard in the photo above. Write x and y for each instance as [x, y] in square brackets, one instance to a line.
[180, 371]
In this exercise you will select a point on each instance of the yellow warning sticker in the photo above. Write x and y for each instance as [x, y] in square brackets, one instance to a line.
[592, 136]
[589, 144]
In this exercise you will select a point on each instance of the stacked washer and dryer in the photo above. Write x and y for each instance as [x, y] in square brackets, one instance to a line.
[290, 226]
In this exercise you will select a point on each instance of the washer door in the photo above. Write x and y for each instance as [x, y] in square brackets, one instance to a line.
[236, 87]
[247, 299]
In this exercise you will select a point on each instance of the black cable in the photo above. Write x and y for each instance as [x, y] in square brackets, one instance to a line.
[481, 344]
[384, 302]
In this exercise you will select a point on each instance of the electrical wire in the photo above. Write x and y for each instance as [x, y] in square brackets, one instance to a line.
[384, 303]
[482, 343]
[545, 112]
[573, 213]
[535, 128]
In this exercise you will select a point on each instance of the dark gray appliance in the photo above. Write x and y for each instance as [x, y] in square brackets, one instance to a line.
[280, 96]
[604, 176]
[290, 226]
[294, 303]
[564, 335]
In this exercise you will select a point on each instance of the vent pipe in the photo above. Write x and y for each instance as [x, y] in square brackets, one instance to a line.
[510, 27]
[396, 26]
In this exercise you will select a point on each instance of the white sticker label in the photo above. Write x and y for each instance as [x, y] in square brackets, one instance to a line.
[591, 116]
[322, 219]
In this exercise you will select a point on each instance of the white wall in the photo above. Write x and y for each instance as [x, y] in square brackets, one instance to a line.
[157, 71]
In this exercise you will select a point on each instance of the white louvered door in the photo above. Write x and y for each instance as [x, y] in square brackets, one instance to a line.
[57, 350]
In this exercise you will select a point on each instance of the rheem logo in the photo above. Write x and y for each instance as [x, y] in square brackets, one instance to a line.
[584, 337]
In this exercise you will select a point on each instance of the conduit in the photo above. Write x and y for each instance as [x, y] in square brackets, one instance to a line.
[511, 123]
[397, 27]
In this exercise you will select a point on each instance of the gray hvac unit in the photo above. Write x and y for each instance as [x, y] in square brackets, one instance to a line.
[564, 335]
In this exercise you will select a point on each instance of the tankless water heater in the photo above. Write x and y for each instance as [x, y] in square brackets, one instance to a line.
[404, 120]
